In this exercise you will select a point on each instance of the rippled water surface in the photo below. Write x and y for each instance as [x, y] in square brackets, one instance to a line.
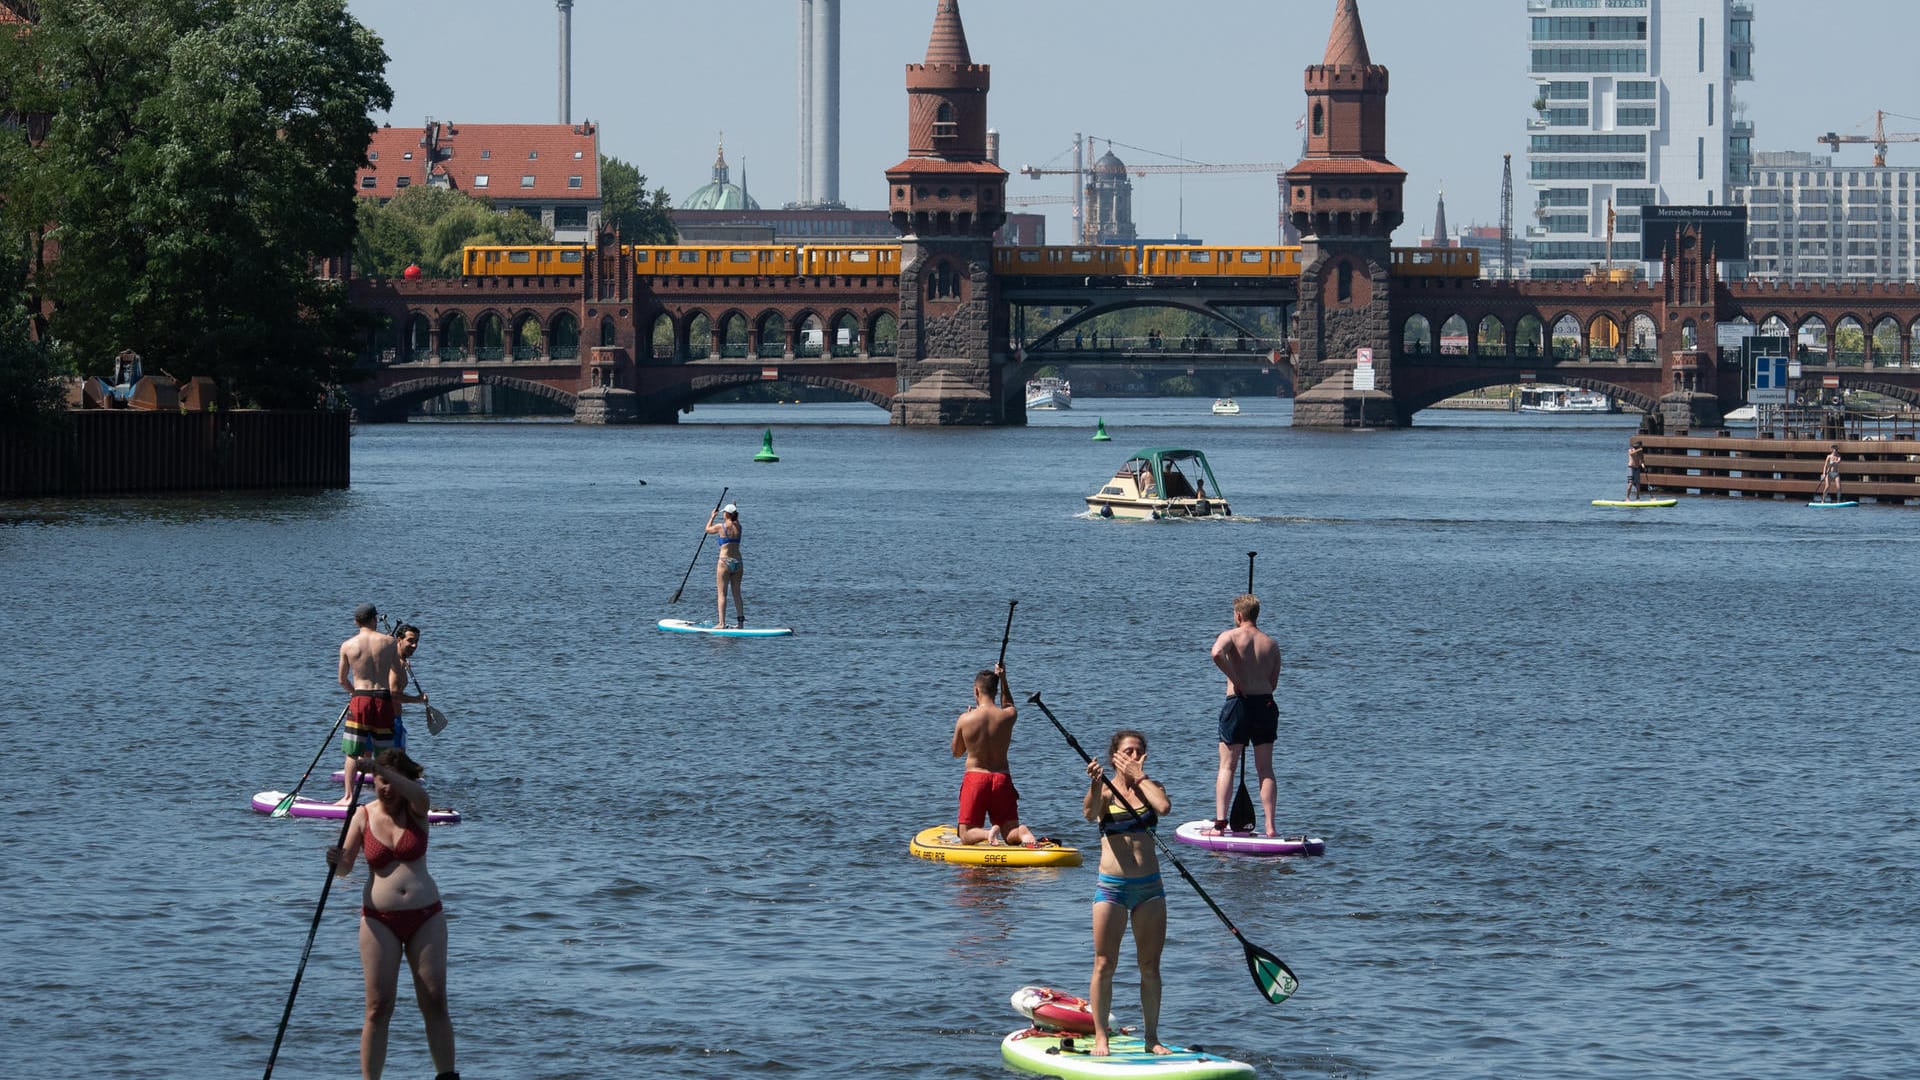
[1605, 792]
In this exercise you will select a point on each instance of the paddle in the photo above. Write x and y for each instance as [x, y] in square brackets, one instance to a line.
[696, 551]
[281, 808]
[1008, 633]
[1271, 975]
[1241, 817]
[314, 930]
[436, 720]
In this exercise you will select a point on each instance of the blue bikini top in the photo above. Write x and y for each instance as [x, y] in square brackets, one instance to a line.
[1110, 825]
[725, 539]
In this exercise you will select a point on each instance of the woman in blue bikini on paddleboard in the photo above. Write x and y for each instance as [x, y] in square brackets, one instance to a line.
[1129, 887]
[727, 572]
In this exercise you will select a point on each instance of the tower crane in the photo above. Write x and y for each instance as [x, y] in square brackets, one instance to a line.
[1880, 137]
[1080, 170]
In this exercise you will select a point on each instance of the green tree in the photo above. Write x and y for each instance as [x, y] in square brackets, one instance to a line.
[625, 205]
[428, 227]
[200, 156]
[30, 370]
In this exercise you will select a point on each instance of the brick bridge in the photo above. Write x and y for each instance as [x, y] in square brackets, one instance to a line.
[939, 341]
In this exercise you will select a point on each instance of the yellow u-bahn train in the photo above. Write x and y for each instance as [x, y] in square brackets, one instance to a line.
[821, 260]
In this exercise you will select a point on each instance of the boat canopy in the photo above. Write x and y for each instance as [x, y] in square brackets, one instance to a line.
[1177, 473]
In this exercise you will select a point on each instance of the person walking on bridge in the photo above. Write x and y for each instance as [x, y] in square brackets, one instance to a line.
[1251, 662]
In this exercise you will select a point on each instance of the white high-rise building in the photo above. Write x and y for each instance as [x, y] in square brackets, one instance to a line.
[1633, 105]
[1809, 219]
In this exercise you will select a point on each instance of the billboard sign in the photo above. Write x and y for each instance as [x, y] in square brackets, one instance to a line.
[1723, 230]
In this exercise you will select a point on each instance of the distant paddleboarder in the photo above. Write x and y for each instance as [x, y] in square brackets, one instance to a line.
[1830, 476]
[1636, 461]
[725, 524]
[370, 671]
[1251, 662]
[982, 735]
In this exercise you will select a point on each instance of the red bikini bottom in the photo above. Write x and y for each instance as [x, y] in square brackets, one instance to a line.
[404, 923]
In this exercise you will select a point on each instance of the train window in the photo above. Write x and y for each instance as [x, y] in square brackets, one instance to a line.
[1080, 255]
[519, 256]
[1200, 256]
[860, 256]
[689, 256]
[572, 256]
[1252, 256]
[641, 255]
[480, 180]
[1029, 256]
[740, 256]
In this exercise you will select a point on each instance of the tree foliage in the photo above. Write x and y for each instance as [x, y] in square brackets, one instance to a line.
[427, 227]
[200, 155]
[626, 205]
[30, 370]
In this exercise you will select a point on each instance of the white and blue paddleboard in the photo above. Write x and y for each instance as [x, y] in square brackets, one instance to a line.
[682, 626]
[1833, 505]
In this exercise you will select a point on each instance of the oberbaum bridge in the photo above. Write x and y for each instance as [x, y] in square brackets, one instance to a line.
[930, 332]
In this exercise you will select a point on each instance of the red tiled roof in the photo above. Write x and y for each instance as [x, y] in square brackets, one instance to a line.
[948, 44]
[1347, 43]
[504, 154]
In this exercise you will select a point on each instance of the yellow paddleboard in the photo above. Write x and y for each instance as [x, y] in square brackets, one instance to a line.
[941, 844]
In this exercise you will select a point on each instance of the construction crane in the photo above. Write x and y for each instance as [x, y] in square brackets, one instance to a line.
[1081, 171]
[1880, 138]
[1039, 200]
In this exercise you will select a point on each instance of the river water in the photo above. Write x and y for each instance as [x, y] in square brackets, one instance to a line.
[1605, 792]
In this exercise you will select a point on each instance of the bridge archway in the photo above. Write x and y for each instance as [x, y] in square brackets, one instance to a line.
[402, 397]
[705, 386]
[1064, 330]
[1413, 403]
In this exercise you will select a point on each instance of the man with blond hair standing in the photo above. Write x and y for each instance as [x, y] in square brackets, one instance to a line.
[1251, 662]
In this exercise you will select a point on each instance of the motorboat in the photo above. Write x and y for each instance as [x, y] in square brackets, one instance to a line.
[1049, 393]
[1159, 483]
[1563, 399]
[1225, 406]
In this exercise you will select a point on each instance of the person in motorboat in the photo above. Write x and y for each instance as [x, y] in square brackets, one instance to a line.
[1251, 662]
[1129, 887]
[400, 910]
[982, 735]
[728, 571]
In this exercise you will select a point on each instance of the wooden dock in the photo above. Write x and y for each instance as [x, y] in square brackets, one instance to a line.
[1877, 469]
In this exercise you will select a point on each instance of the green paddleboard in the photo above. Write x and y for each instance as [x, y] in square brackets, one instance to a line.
[1053, 1053]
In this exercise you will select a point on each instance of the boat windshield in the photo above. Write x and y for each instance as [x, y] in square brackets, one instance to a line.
[1172, 474]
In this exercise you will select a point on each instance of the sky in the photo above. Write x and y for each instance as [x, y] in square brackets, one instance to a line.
[1215, 81]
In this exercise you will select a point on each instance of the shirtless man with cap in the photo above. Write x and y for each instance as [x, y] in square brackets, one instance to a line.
[370, 671]
[1251, 662]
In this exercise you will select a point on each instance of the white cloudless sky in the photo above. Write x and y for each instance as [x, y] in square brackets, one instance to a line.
[1210, 80]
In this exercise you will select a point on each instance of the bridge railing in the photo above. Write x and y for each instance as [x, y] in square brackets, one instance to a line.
[1136, 344]
[421, 356]
[526, 352]
[806, 348]
[564, 352]
[452, 353]
[490, 352]
[772, 349]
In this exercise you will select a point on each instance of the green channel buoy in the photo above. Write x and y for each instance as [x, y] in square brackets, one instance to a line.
[766, 447]
[1100, 430]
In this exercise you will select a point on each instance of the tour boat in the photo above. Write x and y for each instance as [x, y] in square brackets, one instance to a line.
[1049, 393]
[1225, 406]
[1563, 399]
[1161, 483]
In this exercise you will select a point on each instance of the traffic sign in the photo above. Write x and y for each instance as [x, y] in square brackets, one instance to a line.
[1365, 356]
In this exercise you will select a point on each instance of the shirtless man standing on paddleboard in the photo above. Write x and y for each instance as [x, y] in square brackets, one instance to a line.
[370, 671]
[982, 735]
[1251, 662]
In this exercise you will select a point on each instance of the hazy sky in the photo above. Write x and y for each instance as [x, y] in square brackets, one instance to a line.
[1211, 80]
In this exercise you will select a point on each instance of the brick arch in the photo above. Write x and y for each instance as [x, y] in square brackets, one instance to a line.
[1908, 394]
[1500, 377]
[406, 394]
[1093, 311]
[706, 386]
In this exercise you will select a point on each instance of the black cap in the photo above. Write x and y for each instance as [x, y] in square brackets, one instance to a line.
[364, 612]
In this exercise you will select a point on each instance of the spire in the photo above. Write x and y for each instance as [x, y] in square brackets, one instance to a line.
[1347, 44]
[720, 161]
[949, 42]
[1440, 221]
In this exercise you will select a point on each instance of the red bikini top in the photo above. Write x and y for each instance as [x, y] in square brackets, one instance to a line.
[412, 845]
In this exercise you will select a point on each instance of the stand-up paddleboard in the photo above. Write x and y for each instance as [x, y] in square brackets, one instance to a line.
[1054, 1053]
[1248, 843]
[1833, 505]
[1057, 1010]
[682, 626]
[1636, 502]
[303, 807]
[340, 778]
[942, 844]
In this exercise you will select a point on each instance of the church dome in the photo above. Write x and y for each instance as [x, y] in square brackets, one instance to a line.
[1109, 165]
[721, 194]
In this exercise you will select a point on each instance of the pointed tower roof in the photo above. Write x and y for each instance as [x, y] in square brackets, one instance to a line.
[949, 42]
[1347, 43]
[1440, 221]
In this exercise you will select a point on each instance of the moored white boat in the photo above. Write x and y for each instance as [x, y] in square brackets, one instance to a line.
[1161, 483]
[1226, 406]
[1049, 393]
[1563, 399]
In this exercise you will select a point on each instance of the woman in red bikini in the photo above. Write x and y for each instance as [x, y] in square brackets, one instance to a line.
[400, 910]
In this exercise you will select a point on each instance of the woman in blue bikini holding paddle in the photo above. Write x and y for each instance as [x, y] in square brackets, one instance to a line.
[1129, 887]
[727, 572]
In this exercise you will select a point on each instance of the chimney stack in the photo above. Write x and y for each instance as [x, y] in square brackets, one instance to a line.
[566, 60]
[819, 103]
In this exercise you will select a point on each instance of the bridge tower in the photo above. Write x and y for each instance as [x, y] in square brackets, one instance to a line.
[947, 198]
[1344, 198]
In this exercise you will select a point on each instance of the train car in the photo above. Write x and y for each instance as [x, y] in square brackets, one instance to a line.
[1182, 260]
[480, 260]
[846, 260]
[1436, 262]
[1090, 260]
[718, 260]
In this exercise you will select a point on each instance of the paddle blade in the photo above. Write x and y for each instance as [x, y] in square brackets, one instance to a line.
[283, 807]
[1274, 978]
[436, 721]
[1240, 817]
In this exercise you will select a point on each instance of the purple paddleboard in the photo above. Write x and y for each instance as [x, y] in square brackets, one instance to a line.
[303, 807]
[1248, 843]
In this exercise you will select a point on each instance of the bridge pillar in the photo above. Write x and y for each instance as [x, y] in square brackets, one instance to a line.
[1343, 308]
[947, 375]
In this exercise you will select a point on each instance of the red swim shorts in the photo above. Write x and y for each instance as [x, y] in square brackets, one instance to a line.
[370, 720]
[988, 794]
